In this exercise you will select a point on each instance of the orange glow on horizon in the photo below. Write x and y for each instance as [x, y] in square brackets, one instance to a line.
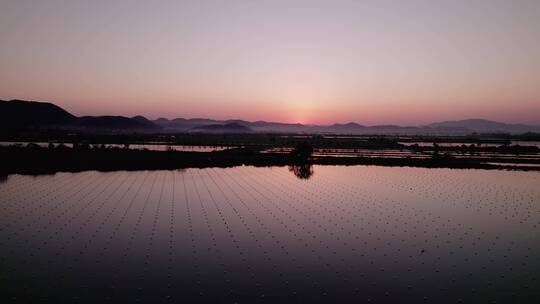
[329, 62]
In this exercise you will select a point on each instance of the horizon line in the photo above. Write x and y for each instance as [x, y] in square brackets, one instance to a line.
[535, 124]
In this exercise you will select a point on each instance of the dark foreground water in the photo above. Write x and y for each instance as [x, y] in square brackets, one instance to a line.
[263, 235]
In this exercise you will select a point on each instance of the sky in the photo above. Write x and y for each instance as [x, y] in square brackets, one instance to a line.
[317, 62]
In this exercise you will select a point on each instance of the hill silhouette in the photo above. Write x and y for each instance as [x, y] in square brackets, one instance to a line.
[486, 126]
[145, 121]
[20, 114]
[222, 128]
[113, 123]
[17, 114]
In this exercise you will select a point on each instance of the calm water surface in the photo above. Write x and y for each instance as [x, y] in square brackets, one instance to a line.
[266, 235]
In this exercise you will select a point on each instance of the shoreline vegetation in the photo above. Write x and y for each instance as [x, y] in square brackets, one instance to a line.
[34, 160]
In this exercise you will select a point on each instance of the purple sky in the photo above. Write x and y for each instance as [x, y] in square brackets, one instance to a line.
[373, 62]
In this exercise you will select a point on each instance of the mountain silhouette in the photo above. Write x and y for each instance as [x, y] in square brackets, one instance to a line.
[143, 120]
[183, 124]
[114, 123]
[20, 114]
[224, 128]
[17, 114]
[486, 126]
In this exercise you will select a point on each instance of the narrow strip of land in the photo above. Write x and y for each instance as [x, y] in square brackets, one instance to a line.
[40, 160]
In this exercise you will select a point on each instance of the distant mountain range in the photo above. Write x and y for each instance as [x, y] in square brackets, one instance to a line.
[485, 126]
[20, 114]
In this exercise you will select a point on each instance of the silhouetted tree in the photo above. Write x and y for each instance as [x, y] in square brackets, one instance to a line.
[302, 150]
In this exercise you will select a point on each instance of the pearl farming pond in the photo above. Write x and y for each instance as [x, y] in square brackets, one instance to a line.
[298, 234]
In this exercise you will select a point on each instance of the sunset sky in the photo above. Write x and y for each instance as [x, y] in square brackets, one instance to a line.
[372, 62]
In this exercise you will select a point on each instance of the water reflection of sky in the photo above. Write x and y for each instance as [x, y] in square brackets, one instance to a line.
[250, 234]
